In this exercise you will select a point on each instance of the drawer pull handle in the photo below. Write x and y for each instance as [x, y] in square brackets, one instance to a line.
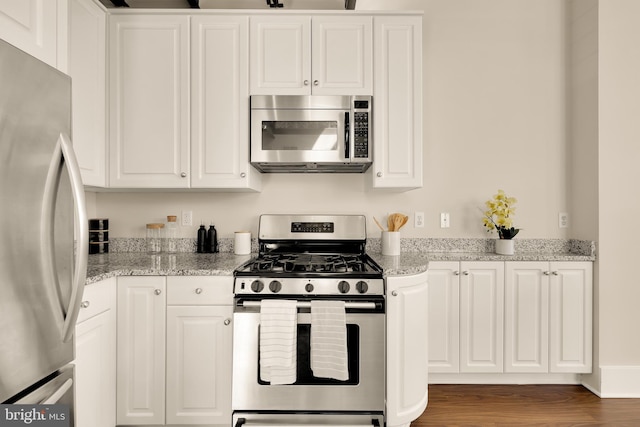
[198, 291]
[85, 304]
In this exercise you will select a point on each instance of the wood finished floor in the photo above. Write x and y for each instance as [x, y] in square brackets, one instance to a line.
[525, 405]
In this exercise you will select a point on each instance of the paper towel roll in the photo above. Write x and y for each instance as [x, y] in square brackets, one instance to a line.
[242, 243]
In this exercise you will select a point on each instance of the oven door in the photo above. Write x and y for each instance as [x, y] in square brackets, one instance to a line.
[363, 391]
[299, 136]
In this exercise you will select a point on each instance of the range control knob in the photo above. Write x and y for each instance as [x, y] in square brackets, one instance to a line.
[362, 287]
[308, 287]
[257, 286]
[343, 286]
[275, 286]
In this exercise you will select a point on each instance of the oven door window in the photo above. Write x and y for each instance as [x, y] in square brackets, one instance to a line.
[300, 135]
[304, 374]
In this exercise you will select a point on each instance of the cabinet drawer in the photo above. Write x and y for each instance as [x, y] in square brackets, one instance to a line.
[97, 298]
[199, 290]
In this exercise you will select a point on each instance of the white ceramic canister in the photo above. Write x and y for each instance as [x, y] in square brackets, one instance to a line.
[391, 243]
[242, 243]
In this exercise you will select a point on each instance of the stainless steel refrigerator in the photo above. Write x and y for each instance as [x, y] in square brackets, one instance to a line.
[42, 214]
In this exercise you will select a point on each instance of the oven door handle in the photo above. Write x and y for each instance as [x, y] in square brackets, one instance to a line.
[243, 422]
[307, 304]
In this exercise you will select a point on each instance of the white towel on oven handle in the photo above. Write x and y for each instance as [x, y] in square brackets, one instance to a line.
[278, 341]
[329, 357]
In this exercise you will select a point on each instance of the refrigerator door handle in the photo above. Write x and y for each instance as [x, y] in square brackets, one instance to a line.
[57, 395]
[82, 245]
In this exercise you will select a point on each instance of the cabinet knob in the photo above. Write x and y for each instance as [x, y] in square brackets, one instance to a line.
[379, 174]
[466, 273]
[546, 273]
[157, 291]
[316, 83]
[85, 304]
[456, 273]
[555, 273]
[243, 175]
[227, 322]
[306, 82]
[198, 291]
[183, 174]
[394, 293]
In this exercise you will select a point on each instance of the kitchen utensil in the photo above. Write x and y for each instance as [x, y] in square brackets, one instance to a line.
[396, 221]
[378, 224]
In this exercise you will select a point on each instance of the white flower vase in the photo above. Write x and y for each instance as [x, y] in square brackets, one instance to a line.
[504, 247]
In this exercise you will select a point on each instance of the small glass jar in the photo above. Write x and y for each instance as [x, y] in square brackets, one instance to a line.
[154, 238]
[171, 235]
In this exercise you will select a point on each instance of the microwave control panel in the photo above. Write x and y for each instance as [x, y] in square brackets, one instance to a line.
[361, 129]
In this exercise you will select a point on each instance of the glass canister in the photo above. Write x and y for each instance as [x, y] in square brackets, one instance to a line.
[154, 238]
[171, 234]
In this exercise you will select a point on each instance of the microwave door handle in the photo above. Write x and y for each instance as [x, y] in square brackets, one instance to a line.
[347, 139]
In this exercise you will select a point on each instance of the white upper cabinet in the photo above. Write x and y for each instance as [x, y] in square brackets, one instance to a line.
[397, 103]
[87, 68]
[303, 55]
[38, 27]
[220, 103]
[149, 101]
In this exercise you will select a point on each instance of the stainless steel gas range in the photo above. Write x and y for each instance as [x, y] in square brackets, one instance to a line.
[309, 266]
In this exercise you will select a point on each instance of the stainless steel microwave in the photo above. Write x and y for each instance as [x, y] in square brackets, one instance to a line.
[298, 133]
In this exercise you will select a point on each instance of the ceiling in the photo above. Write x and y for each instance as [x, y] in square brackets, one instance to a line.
[233, 4]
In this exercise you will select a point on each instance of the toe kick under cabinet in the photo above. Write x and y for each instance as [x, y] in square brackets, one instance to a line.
[174, 350]
[516, 319]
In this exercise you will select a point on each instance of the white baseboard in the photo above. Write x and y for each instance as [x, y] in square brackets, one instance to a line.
[503, 378]
[620, 381]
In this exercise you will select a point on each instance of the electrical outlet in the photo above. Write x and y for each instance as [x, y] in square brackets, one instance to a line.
[444, 220]
[418, 219]
[187, 218]
[563, 220]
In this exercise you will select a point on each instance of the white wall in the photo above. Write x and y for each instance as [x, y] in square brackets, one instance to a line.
[494, 117]
[619, 135]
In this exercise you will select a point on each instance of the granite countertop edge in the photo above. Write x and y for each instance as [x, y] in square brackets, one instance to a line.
[105, 266]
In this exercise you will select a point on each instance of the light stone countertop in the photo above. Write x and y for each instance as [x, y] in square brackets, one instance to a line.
[409, 262]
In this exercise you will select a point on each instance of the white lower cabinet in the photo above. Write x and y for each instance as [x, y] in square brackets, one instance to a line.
[548, 317]
[481, 316]
[199, 352]
[174, 350]
[95, 360]
[407, 348]
[444, 316]
[510, 317]
[141, 350]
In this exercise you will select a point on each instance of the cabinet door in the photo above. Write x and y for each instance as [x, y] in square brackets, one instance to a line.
[571, 307]
[87, 56]
[444, 320]
[32, 25]
[149, 109]
[141, 350]
[95, 360]
[526, 317]
[220, 103]
[397, 103]
[341, 55]
[407, 348]
[199, 364]
[481, 316]
[280, 49]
